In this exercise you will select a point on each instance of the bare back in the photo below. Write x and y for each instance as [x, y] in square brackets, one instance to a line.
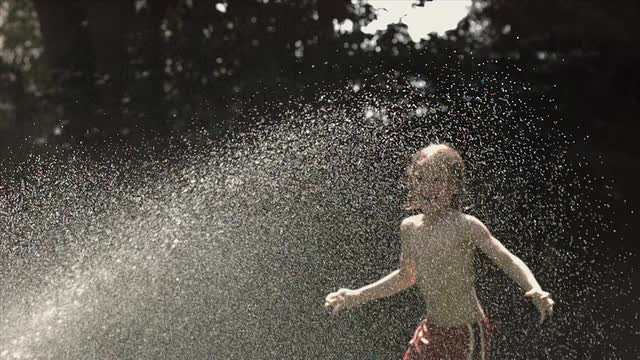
[445, 274]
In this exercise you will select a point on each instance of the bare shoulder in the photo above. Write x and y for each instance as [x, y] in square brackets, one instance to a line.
[475, 228]
[471, 220]
[411, 223]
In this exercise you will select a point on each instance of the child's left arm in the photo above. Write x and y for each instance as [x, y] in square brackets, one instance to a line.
[513, 266]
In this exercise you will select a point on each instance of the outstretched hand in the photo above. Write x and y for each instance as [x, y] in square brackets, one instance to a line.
[543, 302]
[340, 300]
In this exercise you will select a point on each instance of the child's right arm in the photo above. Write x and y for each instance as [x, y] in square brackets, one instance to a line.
[512, 265]
[394, 282]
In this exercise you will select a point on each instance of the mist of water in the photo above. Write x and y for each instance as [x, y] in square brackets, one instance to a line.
[227, 250]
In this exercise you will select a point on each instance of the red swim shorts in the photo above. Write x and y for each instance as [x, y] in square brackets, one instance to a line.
[463, 342]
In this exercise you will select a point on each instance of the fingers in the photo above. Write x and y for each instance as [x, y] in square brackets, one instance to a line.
[333, 298]
[336, 309]
[545, 306]
[334, 302]
[537, 294]
[340, 293]
[550, 307]
[543, 302]
[331, 307]
[545, 312]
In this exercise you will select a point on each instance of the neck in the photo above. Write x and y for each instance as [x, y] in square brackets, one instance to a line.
[436, 213]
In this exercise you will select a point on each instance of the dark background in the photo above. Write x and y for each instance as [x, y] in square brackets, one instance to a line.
[86, 73]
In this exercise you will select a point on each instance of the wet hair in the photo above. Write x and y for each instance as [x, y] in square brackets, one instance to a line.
[447, 159]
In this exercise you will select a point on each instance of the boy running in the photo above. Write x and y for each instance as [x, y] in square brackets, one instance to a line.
[437, 251]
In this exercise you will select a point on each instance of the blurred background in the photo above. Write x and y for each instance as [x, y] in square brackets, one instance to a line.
[89, 72]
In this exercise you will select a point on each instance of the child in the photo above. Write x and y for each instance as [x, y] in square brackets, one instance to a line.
[437, 251]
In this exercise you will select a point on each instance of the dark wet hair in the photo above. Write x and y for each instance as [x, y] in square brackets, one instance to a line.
[452, 164]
